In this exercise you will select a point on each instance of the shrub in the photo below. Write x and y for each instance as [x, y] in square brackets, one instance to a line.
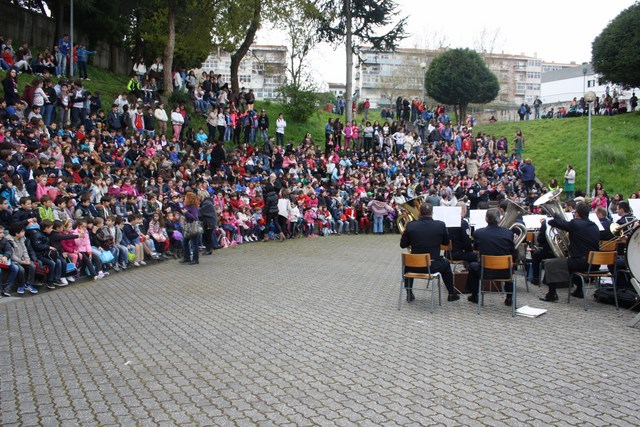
[298, 104]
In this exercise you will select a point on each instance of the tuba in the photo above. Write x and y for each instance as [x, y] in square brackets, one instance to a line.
[558, 239]
[508, 221]
[412, 212]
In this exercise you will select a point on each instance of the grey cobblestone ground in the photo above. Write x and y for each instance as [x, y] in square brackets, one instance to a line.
[306, 333]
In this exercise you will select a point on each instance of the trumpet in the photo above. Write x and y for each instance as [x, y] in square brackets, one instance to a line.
[620, 231]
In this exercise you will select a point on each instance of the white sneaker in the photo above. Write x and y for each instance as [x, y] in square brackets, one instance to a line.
[246, 238]
[71, 279]
[136, 264]
[99, 276]
[143, 263]
[64, 281]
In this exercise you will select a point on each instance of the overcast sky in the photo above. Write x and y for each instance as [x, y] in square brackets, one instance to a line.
[555, 30]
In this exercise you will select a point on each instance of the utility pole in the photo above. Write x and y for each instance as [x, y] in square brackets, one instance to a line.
[349, 86]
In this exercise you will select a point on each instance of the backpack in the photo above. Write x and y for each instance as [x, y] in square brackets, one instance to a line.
[627, 297]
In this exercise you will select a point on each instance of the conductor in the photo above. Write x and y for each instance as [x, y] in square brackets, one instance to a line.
[424, 236]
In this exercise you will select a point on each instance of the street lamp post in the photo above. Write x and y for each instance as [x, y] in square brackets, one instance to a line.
[589, 97]
[585, 70]
[423, 67]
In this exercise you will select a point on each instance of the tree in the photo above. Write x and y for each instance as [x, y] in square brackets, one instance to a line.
[459, 77]
[354, 23]
[615, 53]
[302, 33]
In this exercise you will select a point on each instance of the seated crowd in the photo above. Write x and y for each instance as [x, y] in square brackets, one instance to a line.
[84, 192]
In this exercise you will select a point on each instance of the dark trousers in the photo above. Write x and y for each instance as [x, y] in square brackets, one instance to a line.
[273, 216]
[536, 260]
[574, 265]
[440, 265]
[26, 274]
[473, 278]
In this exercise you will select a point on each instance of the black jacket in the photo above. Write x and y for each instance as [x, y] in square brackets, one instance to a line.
[495, 240]
[39, 242]
[5, 248]
[208, 214]
[584, 235]
[425, 236]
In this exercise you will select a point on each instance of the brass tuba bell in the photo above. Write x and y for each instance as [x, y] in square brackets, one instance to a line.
[412, 212]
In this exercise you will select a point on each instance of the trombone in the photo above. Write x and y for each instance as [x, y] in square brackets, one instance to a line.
[619, 231]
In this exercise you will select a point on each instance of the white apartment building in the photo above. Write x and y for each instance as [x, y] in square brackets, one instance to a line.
[262, 69]
[383, 76]
[562, 85]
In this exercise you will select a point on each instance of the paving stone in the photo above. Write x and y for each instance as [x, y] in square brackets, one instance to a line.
[306, 332]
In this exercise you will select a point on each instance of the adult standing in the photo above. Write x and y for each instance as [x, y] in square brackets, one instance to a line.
[209, 218]
[366, 107]
[424, 236]
[64, 46]
[522, 111]
[263, 126]
[583, 238]
[536, 108]
[379, 208]
[569, 183]
[281, 124]
[528, 174]
[271, 207]
[491, 240]
[10, 86]
[191, 245]
[519, 143]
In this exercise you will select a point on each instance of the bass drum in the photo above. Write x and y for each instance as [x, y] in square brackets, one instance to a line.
[633, 253]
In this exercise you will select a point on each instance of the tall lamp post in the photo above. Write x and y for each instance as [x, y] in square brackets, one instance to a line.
[423, 67]
[585, 70]
[589, 97]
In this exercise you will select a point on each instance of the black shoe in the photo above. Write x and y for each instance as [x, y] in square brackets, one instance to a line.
[5, 293]
[549, 298]
[50, 286]
[194, 262]
[209, 252]
[508, 301]
[453, 297]
[577, 293]
[535, 282]
[473, 298]
[185, 261]
[410, 296]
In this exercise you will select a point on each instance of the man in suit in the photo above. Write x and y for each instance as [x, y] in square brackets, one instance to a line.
[461, 246]
[424, 236]
[622, 281]
[584, 237]
[543, 252]
[491, 240]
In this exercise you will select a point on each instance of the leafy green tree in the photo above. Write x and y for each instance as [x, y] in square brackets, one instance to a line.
[298, 104]
[459, 77]
[615, 53]
[355, 23]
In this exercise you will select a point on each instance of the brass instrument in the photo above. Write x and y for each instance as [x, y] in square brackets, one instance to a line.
[558, 239]
[508, 221]
[412, 208]
[620, 230]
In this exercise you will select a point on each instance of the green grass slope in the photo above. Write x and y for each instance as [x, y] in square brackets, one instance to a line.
[551, 144]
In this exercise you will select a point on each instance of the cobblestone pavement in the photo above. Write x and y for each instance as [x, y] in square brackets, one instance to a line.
[306, 332]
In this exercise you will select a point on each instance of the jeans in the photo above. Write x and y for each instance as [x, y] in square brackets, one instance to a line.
[82, 70]
[78, 116]
[279, 138]
[378, 221]
[191, 248]
[26, 273]
[55, 267]
[264, 135]
[61, 68]
[11, 277]
[49, 114]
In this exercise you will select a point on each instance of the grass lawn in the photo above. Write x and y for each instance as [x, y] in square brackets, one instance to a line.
[551, 144]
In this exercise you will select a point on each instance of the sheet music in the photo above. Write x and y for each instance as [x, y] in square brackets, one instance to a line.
[594, 218]
[635, 206]
[533, 222]
[450, 215]
[477, 218]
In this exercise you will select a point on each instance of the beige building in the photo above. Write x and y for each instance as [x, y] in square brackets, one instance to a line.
[383, 76]
[262, 69]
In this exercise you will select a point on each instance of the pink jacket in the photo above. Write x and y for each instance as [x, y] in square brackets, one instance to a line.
[83, 243]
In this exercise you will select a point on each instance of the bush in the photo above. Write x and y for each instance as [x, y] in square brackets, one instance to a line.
[179, 97]
[298, 104]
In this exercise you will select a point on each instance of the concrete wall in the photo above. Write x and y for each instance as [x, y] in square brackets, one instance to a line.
[21, 25]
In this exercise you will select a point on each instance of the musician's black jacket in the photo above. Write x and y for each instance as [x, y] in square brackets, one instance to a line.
[584, 235]
[460, 240]
[494, 240]
[425, 236]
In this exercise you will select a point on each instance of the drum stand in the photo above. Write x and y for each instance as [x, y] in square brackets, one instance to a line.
[636, 286]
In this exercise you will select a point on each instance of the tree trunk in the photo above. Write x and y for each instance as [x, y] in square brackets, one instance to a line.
[463, 114]
[349, 48]
[169, 49]
[59, 17]
[139, 48]
[237, 56]
[113, 58]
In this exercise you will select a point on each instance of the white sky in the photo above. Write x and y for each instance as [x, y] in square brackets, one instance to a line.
[555, 30]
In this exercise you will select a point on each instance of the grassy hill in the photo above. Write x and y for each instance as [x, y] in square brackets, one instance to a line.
[551, 144]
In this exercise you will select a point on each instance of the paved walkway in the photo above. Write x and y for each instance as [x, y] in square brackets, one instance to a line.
[306, 332]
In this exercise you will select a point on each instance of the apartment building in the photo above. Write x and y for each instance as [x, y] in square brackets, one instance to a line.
[262, 69]
[383, 76]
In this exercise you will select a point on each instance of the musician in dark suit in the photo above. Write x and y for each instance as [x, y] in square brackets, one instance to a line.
[584, 237]
[461, 245]
[425, 236]
[543, 252]
[491, 240]
[622, 281]
[605, 233]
